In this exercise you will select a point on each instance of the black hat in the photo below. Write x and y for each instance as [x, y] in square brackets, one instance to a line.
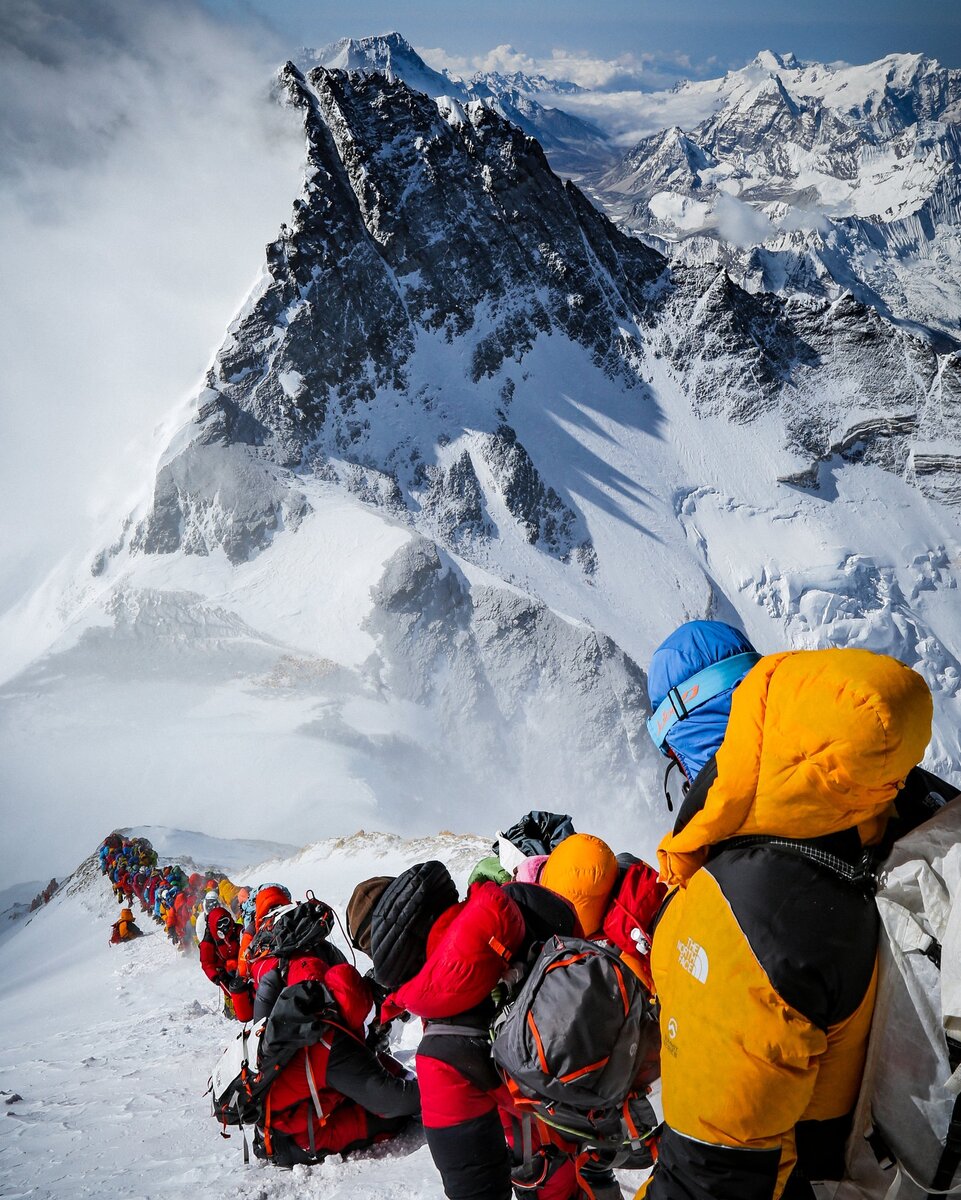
[404, 916]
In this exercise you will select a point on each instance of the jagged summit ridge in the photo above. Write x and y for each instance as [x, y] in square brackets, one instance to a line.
[573, 143]
[408, 230]
[429, 228]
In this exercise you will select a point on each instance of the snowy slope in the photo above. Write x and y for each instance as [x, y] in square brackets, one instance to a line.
[110, 1049]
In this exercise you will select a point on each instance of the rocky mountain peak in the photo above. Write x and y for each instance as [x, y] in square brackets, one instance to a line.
[467, 452]
[433, 242]
[388, 54]
[768, 60]
[419, 220]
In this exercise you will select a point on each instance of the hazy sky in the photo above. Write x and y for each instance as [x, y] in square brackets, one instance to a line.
[727, 31]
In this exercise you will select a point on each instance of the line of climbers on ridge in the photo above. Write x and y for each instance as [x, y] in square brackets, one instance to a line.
[742, 971]
[194, 909]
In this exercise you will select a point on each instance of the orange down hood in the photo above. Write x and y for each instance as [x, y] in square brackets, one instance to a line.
[818, 741]
[583, 870]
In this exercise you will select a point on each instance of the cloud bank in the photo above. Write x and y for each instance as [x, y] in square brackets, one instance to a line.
[145, 165]
[626, 72]
[629, 97]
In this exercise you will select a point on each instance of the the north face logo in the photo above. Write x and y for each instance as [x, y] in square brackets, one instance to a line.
[670, 1045]
[693, 958]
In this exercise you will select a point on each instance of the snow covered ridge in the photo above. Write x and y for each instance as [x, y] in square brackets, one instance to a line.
[111, 1047]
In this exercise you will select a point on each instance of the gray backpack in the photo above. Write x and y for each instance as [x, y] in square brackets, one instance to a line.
[578, 1048]
[906, 1142]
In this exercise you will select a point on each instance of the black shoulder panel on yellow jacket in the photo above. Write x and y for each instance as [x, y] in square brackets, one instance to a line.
[920, 798]
[814, 934]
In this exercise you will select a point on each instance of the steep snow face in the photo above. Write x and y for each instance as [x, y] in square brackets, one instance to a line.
[467, 455]
[390, 55]
[812, 178]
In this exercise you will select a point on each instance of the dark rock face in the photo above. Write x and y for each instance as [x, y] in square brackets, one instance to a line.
[464, 212]
[454, 501]
[431, 249]
[537, 509]
[573, 145]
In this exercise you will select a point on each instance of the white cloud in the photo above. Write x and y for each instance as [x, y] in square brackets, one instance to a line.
[628, 97]
[627, 117]
[805, 219]
[739, 223]
[626, 72]
[144, 168]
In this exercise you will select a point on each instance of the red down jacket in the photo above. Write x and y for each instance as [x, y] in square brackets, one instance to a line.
[334, 1095]
[469, 1117]
[219, 946]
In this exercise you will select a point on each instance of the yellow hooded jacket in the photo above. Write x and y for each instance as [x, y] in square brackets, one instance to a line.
[228, 893]
[764, 956]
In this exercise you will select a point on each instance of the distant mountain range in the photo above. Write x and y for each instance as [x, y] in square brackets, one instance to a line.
[799, 178]
[574, 145]
[852, 175]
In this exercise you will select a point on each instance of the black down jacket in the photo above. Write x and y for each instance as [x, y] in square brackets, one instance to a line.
[404, 916]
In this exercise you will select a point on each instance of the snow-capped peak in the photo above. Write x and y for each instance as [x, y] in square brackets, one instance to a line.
[767, 60]
[813, 178]
[389, 54]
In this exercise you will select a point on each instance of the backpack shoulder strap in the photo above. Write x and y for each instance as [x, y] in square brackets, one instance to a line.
[951, 1154]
